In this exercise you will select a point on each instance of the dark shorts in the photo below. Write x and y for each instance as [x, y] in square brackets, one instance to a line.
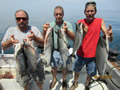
[89, 62]
[38, 75]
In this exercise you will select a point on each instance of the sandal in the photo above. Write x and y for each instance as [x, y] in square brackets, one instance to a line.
[64, 85]
[52, 84]
[87, 88]
[74, 86]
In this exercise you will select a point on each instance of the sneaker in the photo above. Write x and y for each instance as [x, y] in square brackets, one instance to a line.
[74, 85]
[64, 85]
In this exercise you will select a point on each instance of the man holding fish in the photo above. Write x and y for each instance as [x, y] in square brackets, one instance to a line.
[87, 51]
[61, 32]
[29, 37]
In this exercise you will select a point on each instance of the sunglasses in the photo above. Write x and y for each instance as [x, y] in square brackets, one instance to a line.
[23, 18]
[58, 14]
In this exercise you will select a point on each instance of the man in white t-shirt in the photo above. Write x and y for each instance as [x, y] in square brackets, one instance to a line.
[16, 35]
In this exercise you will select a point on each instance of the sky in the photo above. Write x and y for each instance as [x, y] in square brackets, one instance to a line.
[44, 8]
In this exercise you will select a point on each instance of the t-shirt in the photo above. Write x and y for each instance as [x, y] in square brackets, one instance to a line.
[21, 35]
[56, 28]
[89, 43]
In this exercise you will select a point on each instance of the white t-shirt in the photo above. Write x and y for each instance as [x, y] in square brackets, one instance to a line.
[21, 35]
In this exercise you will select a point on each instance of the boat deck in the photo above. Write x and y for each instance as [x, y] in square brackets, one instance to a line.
[11, 84]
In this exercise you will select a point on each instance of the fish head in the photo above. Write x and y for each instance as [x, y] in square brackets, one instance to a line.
[27, 43]
[61, 33]
[17, 48]
[79, 26]
[49, 31]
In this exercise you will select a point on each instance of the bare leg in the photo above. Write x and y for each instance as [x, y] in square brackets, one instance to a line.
[88, 79]
[75, 83]
[54, 73]
[64, 83]
[26, 87]
[64, 71]
[76, 76]
[40, 85]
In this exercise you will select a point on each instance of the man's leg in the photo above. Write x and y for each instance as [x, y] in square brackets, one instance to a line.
[75, 83]
[76, 76]
[88, 79]
[91, 70]
[26, 87]
[40, 85]
[64, 71]
[77, 66]
[54, 73]
[64, 83]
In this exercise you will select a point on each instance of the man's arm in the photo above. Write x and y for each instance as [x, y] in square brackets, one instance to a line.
[45, 27]
[9, 43]
[40, 41]
[69, 33]
[106, 31]
[5, 45]
[37, 39]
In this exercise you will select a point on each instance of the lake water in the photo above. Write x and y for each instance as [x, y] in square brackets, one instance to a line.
[110, 17]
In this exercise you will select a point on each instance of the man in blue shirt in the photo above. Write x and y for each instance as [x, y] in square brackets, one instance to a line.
[57, 25]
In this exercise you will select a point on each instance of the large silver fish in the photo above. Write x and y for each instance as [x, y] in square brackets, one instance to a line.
[20, 58]
[48, 47]
[102, 55]
[62, 46]
[31, 55]
[77, 40]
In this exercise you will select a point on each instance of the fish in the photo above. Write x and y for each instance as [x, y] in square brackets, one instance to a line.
[63, 46]
[48, 48]
[102, 52]
[30, 53]
[77, 40]
[20, 58]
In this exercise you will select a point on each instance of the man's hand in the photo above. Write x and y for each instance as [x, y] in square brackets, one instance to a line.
[31, 36]
[13, 40]
[65, 27]
[46, 26]
[85, 28]
[110, 33]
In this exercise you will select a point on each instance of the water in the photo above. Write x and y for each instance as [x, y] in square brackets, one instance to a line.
[110, 17]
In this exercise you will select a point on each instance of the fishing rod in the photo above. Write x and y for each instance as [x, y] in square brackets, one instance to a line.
[108, 73]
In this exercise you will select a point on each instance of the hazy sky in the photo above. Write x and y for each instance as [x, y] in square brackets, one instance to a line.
[44, 8]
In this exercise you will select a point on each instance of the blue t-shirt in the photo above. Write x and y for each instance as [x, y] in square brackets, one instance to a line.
[56, 28]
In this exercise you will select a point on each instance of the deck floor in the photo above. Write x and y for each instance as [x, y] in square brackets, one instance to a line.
[11, 84]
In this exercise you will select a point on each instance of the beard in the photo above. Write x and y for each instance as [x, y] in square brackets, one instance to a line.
[22, 25]
[59, 19]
